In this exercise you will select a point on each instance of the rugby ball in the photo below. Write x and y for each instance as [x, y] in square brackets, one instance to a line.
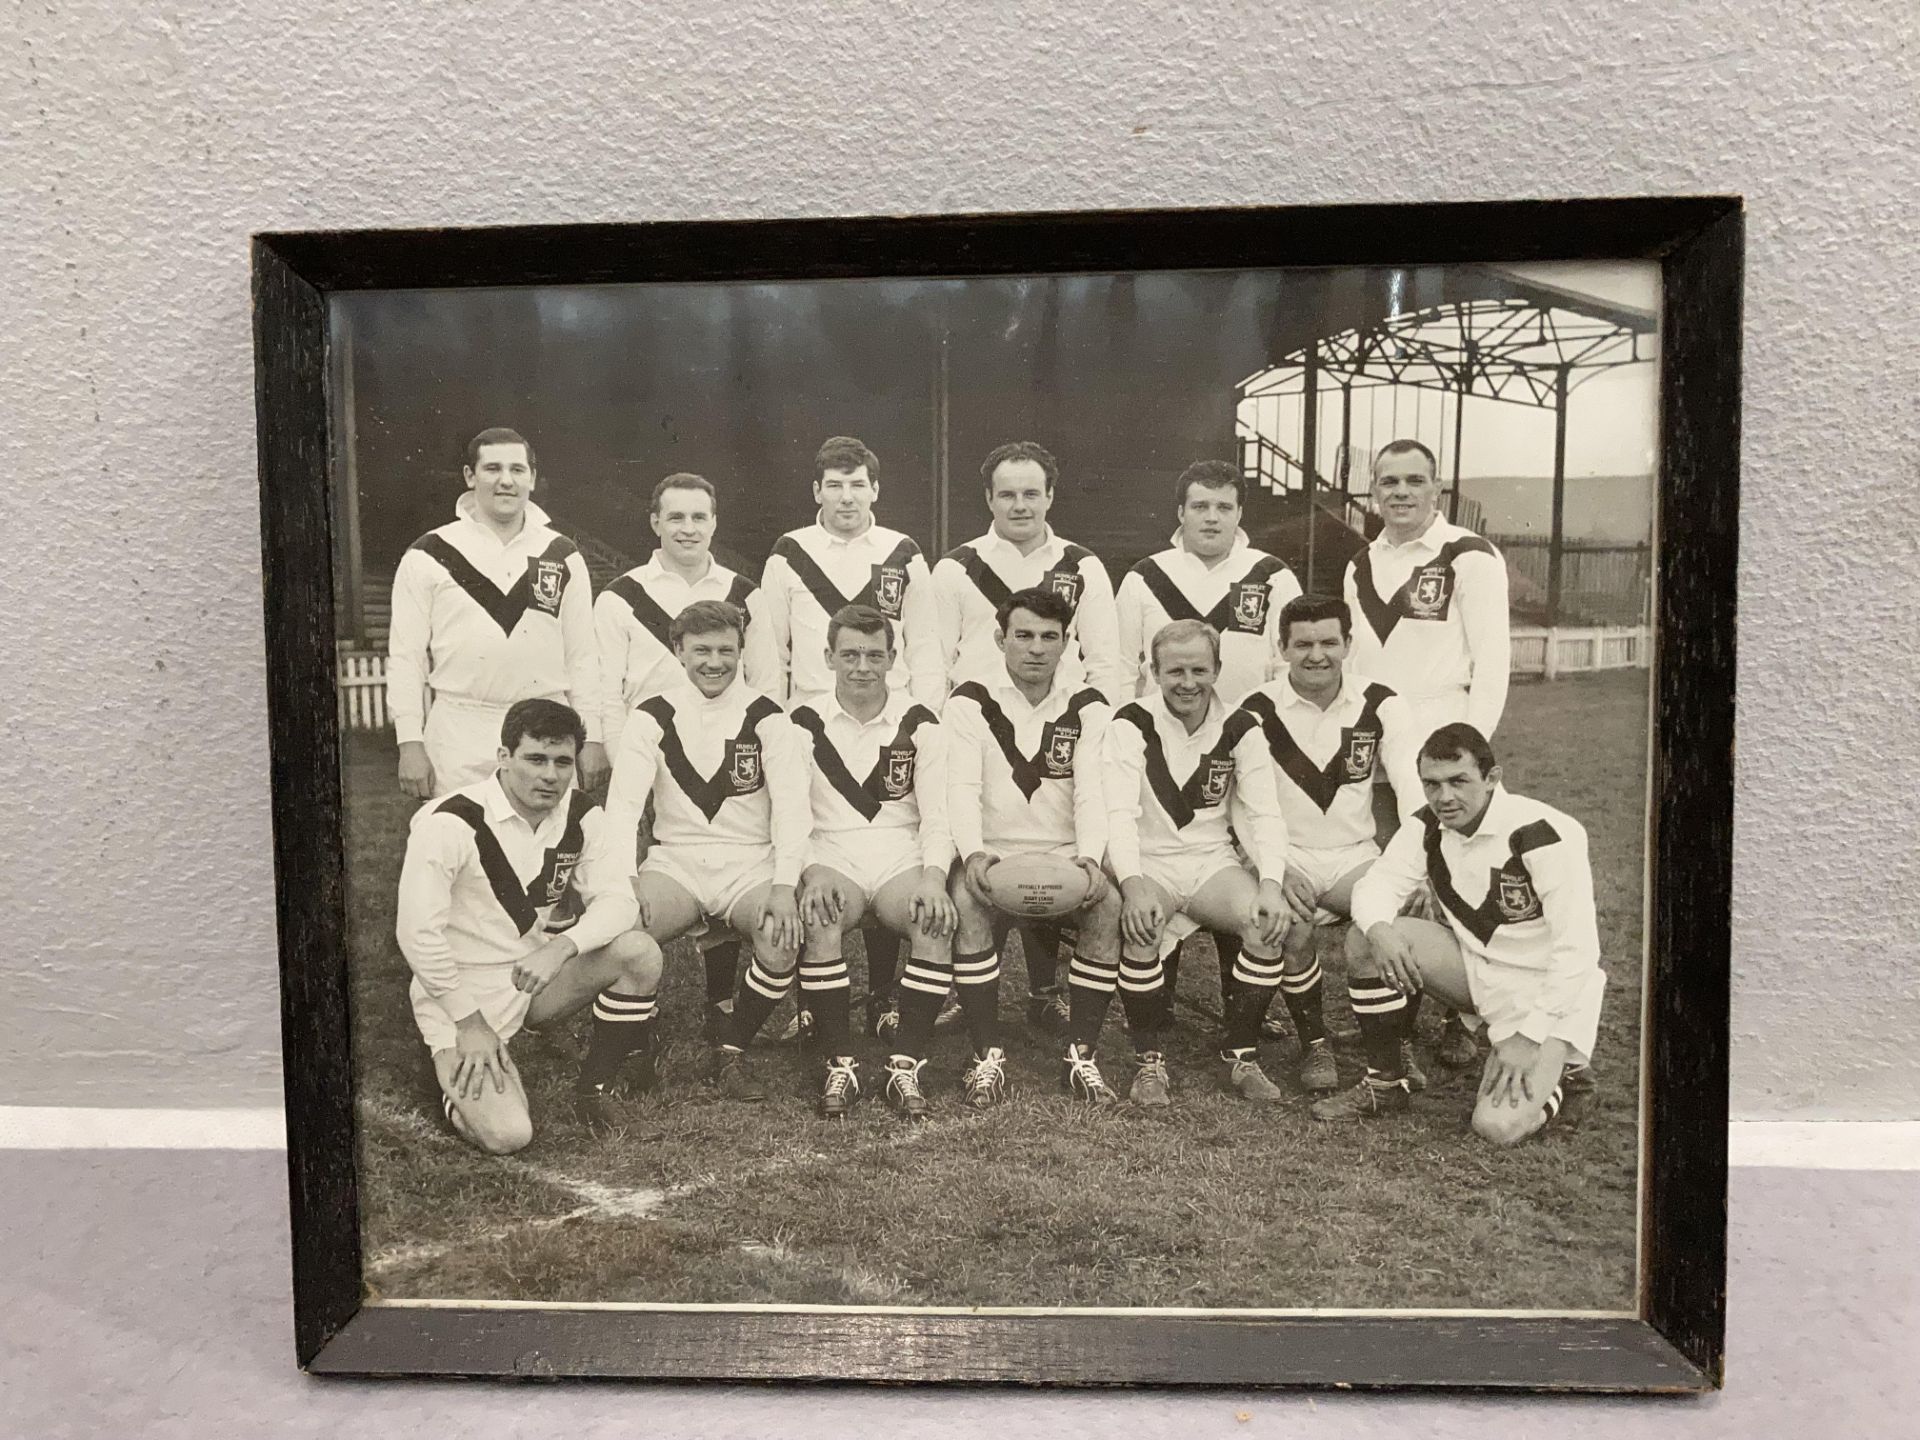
[1039, 884]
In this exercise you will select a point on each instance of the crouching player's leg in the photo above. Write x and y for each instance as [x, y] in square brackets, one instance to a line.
[978, 930]
[767, 917]
[1146, 910]
[1234, 899]
[1388, 972]
[915, 904]
[831, 904]
[1093, 974]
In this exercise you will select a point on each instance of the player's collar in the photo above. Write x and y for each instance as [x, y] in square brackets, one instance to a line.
[1439, 530]
[533, 516]
[691, 696]
[657, 569]
[830, 707]
[1500, 818]
[1240, 542]
[1155, 704]
[492, 796]
[1004, 689]
[1347, 691]
[829, 537]
[1050, 543]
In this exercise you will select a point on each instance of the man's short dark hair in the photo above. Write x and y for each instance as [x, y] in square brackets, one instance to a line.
[499, 435]
[1405, 447]
[1452, 742]
[1019, 450]
[1305, 609]
[546, 720]
[843, 452]
[705, 617]
[1210, 475]
[683, 480]
[1037, 601]
[862, 620]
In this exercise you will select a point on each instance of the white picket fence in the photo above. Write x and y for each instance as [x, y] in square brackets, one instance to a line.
[1569, 650]
[1578, 649]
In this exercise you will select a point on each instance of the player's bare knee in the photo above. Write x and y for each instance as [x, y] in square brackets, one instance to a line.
[773, 959]
[637, 957]
[1297, 944]
[500, 1134]
[1360, 960]
[1502, 1124]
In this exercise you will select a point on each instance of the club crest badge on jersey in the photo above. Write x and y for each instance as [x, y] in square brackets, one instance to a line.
[1056, 757]
[1517, 898]
[897, 780]
[1429, 591]
[548, 579]
[743, 773]
[1068, 585]
[1250, 599]
[889, 590]
[560, 876]
[1213, 788]
[1362, 746]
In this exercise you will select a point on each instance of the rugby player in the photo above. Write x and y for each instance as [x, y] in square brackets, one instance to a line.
[971, 584]
[492, 608]
[1023, 776]
[1178, 763]
[1327, 732]
[1431, 620]
[1520, 949]
[1212, 574]
[727, 771]
[486, 872]
[631, 618]
[881, 847]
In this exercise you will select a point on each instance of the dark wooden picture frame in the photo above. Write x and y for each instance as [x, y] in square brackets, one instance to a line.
[1675, 1344]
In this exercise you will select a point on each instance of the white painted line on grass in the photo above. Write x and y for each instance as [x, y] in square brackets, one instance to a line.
[1764, 1144]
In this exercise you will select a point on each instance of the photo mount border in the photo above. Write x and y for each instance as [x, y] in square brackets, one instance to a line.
[1677, 1344]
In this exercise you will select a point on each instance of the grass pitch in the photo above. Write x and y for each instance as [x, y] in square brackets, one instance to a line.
[1215, 1204]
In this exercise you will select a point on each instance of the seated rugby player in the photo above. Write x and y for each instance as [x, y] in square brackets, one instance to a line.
[492, 871]
[1023, 777]
[1519, 952]
[880, 846]
[1178, 763]
[1327, 731]
[728, 775]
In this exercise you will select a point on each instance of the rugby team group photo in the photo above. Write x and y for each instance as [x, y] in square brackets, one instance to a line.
[760, 931]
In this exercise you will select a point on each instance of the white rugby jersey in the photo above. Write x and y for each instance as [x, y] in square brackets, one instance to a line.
[727, 771]
[1240, 597]
[480, 620]
[970, 583]
[812, 572]
[1430, 619]
[1025, 777]
[479, 885]
[881, 777]
[1324, 760]
[1169, 791]
[630, 620]
[1518, 893]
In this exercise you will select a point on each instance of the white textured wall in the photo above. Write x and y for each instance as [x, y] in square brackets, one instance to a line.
[142, 143]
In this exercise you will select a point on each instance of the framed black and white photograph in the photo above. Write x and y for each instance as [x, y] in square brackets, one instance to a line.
[1122, 798]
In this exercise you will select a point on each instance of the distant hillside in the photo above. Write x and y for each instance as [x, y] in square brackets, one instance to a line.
[1617, 508]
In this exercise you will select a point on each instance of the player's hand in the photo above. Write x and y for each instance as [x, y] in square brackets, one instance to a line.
[1302, 898]
[416, 771]
[974, 872]
[780, 919]
[1272, 915]
[932, 911]
[1506, 1082]
[1395, 954]
[1141, 918]
[533, 972]
[482, 1057]
[594, 765]
[822, 903]
[1097, 884]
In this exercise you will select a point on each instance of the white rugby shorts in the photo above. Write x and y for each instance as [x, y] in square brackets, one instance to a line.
[501, 1006]
[716, 876]
[463, 741]
[1504, 995]
[1322, 868]
[869, 859]
[1181, 875]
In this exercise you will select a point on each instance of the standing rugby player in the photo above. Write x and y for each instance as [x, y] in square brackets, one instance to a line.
[1429, 601]
[631, 621]
[845, 558]
[490, 609]
[1023, 777]
[1178, 765]
[972, 582]
[1327, 732]
[1520, 949]
[881, 847]
[487, 871]
[728, 775]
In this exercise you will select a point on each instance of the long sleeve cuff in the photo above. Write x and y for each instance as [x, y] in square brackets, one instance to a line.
[408, 729]
[458, 1003]
[604, 921]
[787, 868]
